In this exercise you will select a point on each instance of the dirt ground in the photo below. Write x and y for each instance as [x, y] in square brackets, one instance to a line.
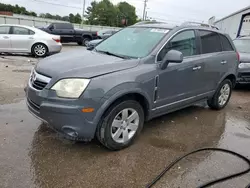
[32, 155]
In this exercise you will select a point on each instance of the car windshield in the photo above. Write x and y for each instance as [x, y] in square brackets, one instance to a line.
[133, 42]
[242, 45]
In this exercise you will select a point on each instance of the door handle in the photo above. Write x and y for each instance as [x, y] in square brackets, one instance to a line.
[31, 38]
[5, 37]
[197, 68]
[223, 62]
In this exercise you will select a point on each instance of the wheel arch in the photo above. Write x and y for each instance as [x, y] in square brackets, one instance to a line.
[136, 95]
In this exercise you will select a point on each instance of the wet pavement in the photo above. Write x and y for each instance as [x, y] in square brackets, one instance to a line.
[32, 155]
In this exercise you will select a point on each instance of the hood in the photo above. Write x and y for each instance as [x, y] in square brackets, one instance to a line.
[244, 57]
[83, 63]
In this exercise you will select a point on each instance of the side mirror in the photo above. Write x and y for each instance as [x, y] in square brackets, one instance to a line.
[173, 56]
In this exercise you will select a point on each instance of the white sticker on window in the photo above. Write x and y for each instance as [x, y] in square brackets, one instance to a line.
[159, 30]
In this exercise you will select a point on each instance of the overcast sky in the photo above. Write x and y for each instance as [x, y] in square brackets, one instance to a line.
[173, 11]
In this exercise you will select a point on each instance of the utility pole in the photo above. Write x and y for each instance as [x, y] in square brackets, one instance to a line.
[144, 9]
[83, 11]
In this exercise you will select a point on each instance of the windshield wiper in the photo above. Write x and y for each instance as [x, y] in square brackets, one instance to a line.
[112, 54]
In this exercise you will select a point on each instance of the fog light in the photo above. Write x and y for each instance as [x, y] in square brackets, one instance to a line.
[70, 132]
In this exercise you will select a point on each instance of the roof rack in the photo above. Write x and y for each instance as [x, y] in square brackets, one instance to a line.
[148, 22]
[199, 24]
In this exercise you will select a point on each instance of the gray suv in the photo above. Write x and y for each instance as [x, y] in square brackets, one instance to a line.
[139, 73]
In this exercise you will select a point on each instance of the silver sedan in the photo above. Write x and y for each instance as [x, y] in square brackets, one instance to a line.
[25, 39]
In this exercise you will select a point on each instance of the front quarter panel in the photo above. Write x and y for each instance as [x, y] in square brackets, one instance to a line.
[140, 80]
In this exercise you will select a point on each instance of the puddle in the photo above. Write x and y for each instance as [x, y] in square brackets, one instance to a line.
[32, 155]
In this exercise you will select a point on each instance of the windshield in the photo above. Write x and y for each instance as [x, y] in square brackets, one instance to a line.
[242, 45]
[132, 42]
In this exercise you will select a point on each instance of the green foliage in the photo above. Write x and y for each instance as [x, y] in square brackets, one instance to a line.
[22, 10]
[108, 14]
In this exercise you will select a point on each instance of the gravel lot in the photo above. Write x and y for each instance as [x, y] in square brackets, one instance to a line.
[32, 155]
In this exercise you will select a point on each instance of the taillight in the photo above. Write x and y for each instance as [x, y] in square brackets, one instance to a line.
[57, 40]
[238, 56]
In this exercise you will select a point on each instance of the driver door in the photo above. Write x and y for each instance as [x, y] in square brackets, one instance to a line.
[180, 83]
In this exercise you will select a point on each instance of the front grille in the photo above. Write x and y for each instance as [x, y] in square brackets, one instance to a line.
[38, 81]
[34, 105]
[244, 74]
[38, 84]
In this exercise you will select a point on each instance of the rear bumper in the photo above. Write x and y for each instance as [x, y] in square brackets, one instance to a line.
[55, 48]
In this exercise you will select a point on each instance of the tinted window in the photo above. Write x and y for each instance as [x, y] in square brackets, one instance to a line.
[183, 42]
[22, 31]
[63, 26]
[226, 45]
[210, 42]
[4, 30]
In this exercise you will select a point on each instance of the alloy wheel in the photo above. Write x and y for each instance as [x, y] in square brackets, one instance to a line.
[125, 125]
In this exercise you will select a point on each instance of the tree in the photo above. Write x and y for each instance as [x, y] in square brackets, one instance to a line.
[78, 18]
[106, 13]
[71, 18]
[127, 11]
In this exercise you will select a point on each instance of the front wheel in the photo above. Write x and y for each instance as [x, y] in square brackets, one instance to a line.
[221, 96]
[121, 125]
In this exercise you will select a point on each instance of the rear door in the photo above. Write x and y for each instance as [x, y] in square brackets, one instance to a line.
[65, 30]
[21, 39]
[5, 45]
[213, 58]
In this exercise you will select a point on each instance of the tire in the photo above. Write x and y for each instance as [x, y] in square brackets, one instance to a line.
[113, 135]
[85, 41]
[221, 96]
[39, 50]
[79, 43]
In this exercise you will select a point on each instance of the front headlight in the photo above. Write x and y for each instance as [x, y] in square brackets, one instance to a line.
[70, 87]
[244, 65]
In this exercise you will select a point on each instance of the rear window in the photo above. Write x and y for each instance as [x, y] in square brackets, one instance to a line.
[22, 31]
[210, 42]
[226, 45]
[63, 26]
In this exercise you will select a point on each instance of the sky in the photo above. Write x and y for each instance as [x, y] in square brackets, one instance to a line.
[172, 11]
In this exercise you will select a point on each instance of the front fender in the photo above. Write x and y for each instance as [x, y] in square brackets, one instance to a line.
[118, 92]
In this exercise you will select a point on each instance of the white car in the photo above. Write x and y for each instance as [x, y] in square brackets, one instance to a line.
[25, 39]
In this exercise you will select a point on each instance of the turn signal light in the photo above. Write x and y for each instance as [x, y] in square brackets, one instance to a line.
[88, 110]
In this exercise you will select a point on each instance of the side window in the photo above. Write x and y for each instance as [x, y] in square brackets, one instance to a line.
[22, 31]
[63, 26]
[210, 42]
[183, 42]
[4, 30]
[226, 45]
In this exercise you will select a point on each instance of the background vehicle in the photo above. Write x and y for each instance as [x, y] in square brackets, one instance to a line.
[243, 47]
[103, 34]
[69, 34]
[92, 44]
[151, 71]
[25, 39]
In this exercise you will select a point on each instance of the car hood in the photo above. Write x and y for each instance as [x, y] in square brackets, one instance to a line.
[83, 63]
[245, 57]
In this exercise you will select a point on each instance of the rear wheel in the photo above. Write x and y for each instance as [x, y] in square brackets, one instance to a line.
[79, 43]
[121, 124]
[221, 96]
[39, 50]
[85, 41]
